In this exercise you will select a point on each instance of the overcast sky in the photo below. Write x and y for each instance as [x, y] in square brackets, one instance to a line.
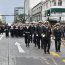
[7, 7]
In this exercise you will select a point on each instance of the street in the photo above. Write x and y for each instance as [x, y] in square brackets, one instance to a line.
[14, 52]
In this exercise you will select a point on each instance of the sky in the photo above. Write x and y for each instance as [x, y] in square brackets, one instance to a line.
[7, 7]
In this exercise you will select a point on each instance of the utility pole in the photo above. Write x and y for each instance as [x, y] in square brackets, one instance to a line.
[41, 9]
[24, 9]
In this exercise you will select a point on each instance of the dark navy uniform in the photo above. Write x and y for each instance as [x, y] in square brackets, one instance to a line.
[7, 31]
[31, 33]
[43, 37]
[21, 32]
[35, 37]
[27, 36]
[57, 34]
[12, 32]
[39, 31]
[47, 40]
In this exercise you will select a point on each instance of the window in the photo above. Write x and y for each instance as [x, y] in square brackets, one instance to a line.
[54, 2]
[50, 3]
[47, 5]
[59, 2]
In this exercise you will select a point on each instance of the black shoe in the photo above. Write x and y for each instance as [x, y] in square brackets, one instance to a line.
[58, 50]
[42, 48]
[35, 45]
[48, 52]
[38, 47]
[44, 52]
[26, 45]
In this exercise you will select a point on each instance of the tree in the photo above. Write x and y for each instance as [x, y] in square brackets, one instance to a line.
[20, 18]
[0, 22]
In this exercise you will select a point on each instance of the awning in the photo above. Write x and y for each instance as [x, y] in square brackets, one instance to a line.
[55, 10]
[58, 10]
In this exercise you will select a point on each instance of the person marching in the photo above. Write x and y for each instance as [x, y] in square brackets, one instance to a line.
[27, 35]
[57, 34]
[11, 32]
[7, 31]
[47, 43]
[35, 36]
[43, 36]
[39, 32]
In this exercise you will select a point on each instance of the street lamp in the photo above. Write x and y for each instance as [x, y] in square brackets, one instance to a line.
[59, 19]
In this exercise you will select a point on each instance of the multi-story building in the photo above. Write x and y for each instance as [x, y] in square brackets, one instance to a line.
[28, 4]
[27, 9]
[37, 12]
[50, 10]
[17, 12]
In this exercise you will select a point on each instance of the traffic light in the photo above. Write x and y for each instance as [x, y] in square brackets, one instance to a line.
[48, 12]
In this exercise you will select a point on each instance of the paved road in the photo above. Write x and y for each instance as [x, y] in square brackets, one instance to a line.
[14, 52]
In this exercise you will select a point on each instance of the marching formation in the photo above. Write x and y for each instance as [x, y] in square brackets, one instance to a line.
[38, 33]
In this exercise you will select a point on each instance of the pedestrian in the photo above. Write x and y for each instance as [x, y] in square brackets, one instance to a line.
[27, 35]
[57, 34]
[7, 31]
[47, 43]
[12, 32]
[43, 36]
[39, 32]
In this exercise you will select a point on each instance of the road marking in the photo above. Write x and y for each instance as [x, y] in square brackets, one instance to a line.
[1, 37]
[55, 54]
[54, 61]
[62, 46]
[63, 60]
[42, 58]
[19, 47]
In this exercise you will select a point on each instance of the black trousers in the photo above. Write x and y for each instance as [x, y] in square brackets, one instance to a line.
[7, 34]
[42, 42]
[47, 45]
[27, 40]
[35, 40]
[57, 45]
[31, 38]
[39, 42]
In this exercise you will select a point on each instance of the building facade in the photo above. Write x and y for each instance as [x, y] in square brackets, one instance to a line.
[27, 9]
[50, 10]
[37, 12]
[17, 12]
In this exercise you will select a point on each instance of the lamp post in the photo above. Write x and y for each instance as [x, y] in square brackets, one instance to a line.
[8, 53]
[24, 9]
[59, 19]
[41, 9]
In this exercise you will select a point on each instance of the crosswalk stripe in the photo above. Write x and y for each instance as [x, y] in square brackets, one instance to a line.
[55, 54]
